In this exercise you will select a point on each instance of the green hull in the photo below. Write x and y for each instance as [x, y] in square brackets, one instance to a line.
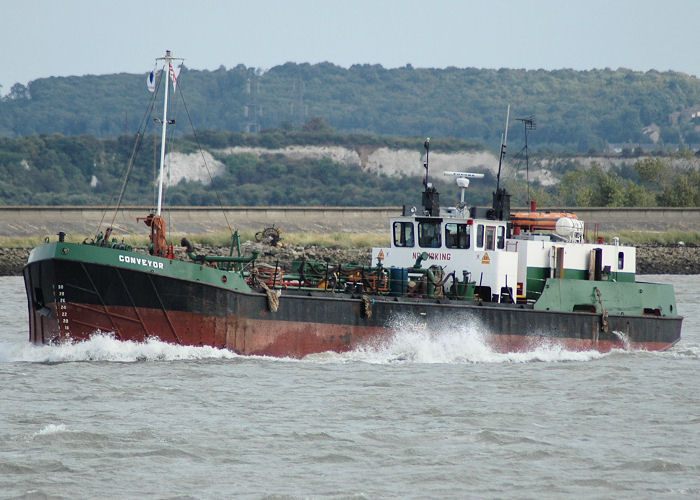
[609, 297]
[538, 276]
[134, 261]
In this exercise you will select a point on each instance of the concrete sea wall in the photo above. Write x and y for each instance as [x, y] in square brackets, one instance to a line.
[47, 221]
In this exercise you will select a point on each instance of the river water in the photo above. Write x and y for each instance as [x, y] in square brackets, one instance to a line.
[433, 415]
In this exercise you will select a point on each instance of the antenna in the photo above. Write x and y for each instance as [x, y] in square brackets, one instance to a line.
[426, 145]
[450, 173]
[252, 110]
[529, 124]
[298, 110]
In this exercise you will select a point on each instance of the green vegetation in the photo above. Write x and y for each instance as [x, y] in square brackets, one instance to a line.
[306, 239]
[649, 182]
[338, 240]
[316, 132]
[60, 142]
[223, 239]
[575, 110]
[60, 170]
[672, 237]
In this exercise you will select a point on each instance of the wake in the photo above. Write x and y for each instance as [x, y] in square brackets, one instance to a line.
[452, 343]
[412, 342]
[105, 347]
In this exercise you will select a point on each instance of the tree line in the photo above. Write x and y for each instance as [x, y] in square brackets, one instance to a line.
[575, 110]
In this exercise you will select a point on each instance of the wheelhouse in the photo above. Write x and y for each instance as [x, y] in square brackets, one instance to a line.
[430, 233]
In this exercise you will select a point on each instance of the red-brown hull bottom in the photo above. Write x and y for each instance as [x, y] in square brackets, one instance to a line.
[271, 337]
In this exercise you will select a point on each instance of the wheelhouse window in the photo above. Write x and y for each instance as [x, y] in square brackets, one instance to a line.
[490, 237]
[480, 236]
[621, 260]
[429, 235]
[501, 240]
[403, 234]
[456, 235]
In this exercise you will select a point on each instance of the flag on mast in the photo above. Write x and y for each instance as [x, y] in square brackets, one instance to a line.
[174, 74]
[151, 81]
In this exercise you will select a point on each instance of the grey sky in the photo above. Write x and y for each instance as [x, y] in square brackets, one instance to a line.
[41, 38]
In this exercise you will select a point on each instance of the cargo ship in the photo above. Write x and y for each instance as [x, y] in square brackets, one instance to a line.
[521, 278]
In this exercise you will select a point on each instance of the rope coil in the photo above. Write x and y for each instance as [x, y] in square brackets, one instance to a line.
[604, 326]
[367, 306]
[273, 297]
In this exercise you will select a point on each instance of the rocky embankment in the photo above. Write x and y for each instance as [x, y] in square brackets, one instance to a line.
[650, 259]
[668, 259]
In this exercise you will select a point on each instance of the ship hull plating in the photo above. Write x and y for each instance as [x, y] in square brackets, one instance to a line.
[71, 300]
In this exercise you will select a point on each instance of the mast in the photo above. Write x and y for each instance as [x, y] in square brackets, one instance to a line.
[501, 198]
[431, 197]
[426, 165]
[167, 69]
[503, 151]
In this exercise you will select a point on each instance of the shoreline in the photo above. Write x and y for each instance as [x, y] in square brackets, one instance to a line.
[651, 259]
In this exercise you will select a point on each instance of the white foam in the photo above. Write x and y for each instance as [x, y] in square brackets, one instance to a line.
[411, 342]
[105, 347]
[50, 429]
[414, 342]
[681, 350]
